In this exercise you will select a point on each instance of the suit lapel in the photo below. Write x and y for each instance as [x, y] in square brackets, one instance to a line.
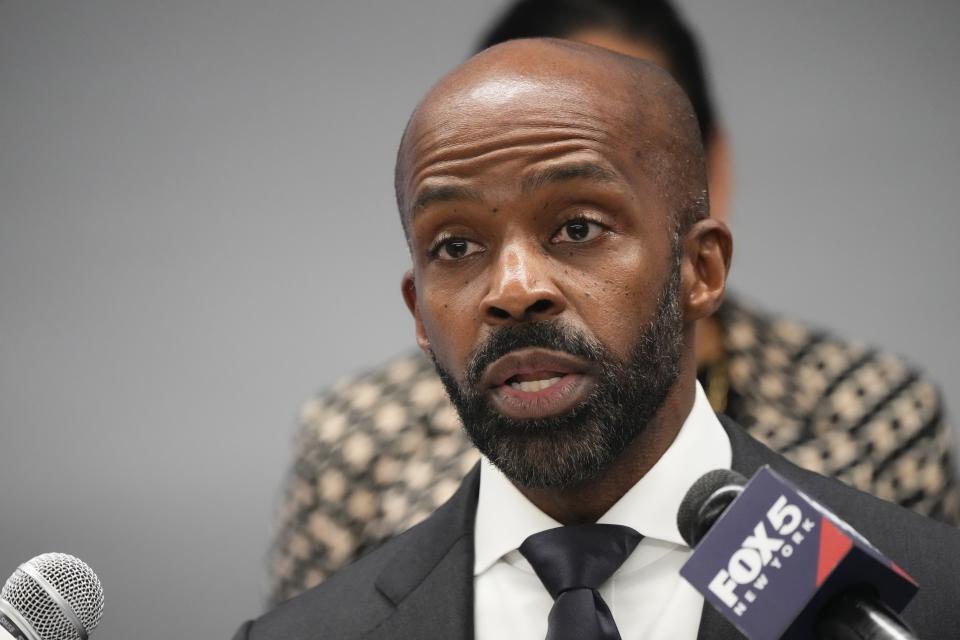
[430, 578]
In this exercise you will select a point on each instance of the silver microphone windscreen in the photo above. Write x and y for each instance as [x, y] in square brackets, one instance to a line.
[57, 594]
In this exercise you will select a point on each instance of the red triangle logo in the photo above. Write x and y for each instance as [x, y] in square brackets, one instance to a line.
[834, 546]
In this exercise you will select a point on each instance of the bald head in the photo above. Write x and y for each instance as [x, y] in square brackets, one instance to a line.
[522, 87]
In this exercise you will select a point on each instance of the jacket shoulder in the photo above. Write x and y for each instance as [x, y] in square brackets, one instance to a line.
[359, 599]
[347, 605]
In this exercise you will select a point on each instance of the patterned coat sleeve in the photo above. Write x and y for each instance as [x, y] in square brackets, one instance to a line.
[372, 457]
[900, 446]
[843, 410]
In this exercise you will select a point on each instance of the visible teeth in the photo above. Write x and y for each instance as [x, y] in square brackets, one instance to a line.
[535, 385]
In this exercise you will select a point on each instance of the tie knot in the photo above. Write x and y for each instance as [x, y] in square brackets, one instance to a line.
[578, 556]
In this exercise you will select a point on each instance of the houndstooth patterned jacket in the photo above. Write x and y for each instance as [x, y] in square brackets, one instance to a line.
[378, 453]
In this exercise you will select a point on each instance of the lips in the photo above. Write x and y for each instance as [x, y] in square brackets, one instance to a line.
[537, 383]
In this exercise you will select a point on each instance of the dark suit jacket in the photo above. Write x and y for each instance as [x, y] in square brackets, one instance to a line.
[420, 584]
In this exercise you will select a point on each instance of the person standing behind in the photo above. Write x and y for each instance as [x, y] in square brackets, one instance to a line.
[379, 452]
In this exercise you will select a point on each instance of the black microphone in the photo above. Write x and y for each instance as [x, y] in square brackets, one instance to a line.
[705, 501]
[777, 564]
[53, 596]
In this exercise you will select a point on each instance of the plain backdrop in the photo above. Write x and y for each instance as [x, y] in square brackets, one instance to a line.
[197, 231]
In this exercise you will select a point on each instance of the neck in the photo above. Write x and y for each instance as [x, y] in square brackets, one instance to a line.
[585, 502]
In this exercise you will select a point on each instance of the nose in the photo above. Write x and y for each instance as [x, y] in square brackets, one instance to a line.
[522, 288]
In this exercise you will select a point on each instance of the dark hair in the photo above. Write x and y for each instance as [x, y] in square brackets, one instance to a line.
[654, 21]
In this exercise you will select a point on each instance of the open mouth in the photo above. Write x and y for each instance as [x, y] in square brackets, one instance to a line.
[536, 383]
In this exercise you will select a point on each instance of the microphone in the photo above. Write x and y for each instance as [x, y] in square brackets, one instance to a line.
[705, 501]
[777, 564]
[53, 596]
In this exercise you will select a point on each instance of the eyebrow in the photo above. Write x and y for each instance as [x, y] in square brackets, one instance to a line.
[566, 172]
[536, 180]
[444, 193]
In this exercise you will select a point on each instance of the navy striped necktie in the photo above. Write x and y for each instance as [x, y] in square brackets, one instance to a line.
[572, 562]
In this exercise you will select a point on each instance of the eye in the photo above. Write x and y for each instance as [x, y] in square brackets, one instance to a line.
[578, 230]
[454, 249]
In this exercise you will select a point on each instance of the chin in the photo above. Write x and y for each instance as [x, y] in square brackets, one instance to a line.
[551, 455]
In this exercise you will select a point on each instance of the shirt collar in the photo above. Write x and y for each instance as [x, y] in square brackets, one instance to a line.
[505, 518]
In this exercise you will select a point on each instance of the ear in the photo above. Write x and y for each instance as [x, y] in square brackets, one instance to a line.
[408, 288]
[720, 175]
[707, 249]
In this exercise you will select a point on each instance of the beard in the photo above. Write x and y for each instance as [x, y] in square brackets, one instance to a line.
[563, 450]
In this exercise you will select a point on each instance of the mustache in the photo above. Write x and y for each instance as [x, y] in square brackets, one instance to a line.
[545, 335]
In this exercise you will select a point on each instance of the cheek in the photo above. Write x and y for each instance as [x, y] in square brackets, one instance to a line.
[451, 321]
[616, 297]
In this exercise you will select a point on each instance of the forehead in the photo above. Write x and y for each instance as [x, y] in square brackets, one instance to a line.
[517, 119]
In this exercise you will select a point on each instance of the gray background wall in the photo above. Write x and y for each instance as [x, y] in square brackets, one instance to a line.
[197, 231]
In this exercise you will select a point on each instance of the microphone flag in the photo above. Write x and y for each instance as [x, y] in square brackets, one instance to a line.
[775, 557]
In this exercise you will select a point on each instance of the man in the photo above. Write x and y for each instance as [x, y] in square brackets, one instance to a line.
[554, 199]
[379, 453]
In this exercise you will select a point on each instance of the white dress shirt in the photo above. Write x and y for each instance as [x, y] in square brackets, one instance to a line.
[647, 596]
